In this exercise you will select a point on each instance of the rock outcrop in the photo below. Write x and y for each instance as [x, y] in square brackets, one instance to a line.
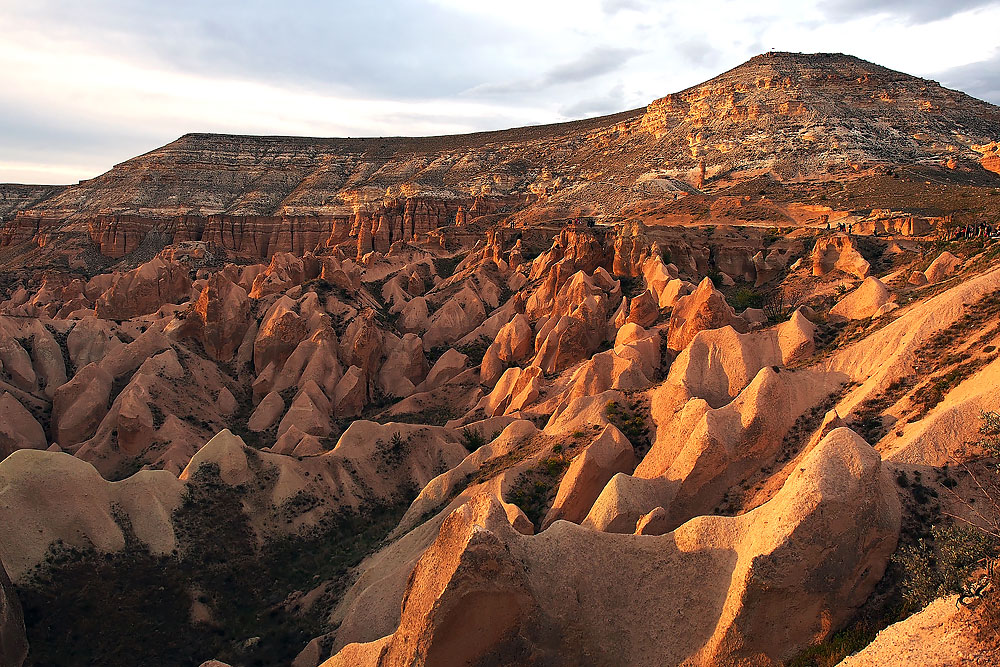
[943, 266]
[144, 290]
[839, 253]
[18, 428]
[13, 643]
[744, 573]
[219, 318]
[701, 310]
[863, 302]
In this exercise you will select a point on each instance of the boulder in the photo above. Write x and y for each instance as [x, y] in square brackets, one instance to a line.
[863, 302]
[943, 266]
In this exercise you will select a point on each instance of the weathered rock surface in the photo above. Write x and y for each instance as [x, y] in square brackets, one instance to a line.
[144, 290]
[943, 266]
[610, 453]
[219, 318]
[838, 253]
[863, 302]
[702, 310]
[745, 572]
[47, 497]
[18, 428]
[13, 643]
[80, 404]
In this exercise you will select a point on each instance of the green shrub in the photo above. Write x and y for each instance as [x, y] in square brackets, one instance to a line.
[472, 439]
[942, 564]
[745, 297]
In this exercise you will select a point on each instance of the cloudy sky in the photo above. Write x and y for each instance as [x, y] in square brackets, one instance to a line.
[87, 84]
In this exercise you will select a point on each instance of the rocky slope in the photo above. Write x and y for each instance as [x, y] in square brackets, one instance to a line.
[442, 426]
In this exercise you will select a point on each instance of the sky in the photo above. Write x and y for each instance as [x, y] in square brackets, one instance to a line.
[86, 85]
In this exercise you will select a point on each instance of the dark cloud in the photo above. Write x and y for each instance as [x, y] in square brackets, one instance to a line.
[610, 102]
[697, 51]
[398, 47]
[597, 62]
[910, 11]
[981, 79]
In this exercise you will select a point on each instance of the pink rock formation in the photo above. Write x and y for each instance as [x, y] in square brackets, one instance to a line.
[609, 453]
[280, 332]
[702, 310]
[18, 428]
[80, 404]
[219, 318]
[144, 290]
[743, 573]
[863, 302]
[13, 643]
[943, 266]
[838, 253]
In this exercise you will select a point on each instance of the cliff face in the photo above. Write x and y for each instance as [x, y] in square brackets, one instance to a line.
[796, 117]
[13, 646]
[14, 197]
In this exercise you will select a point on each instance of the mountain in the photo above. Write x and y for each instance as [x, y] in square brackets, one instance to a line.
[795, 118]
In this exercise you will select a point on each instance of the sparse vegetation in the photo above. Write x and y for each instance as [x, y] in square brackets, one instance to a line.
[632, 425]
[243, 585]
[535, 489]
[475, 350]
[744, 297]
[472, 439]
[944, 564]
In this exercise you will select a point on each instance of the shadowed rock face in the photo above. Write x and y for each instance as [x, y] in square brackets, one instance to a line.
[13, 645]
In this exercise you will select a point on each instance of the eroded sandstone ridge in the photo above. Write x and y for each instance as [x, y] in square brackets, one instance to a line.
[697, 384]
